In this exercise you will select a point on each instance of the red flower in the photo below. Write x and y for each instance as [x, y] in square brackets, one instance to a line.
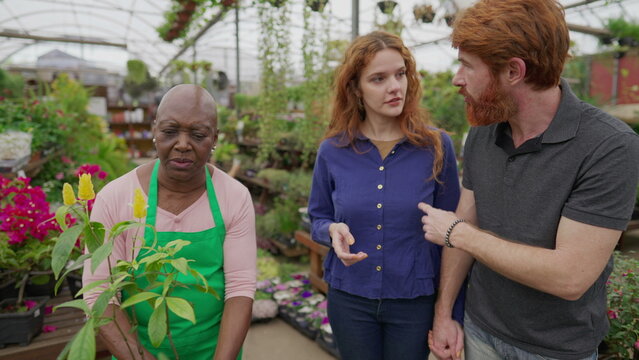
[612, 314]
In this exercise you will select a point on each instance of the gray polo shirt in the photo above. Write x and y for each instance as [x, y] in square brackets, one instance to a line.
[585, 167]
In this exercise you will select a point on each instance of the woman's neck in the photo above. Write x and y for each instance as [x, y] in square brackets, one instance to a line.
[382, 129]
[195, 184]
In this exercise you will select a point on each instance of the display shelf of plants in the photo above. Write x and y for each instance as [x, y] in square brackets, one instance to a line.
[284, 290]
[133, 124]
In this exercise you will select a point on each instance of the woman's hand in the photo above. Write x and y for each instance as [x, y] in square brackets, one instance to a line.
[342, 239]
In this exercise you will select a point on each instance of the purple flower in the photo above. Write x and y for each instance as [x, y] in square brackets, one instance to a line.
[325, 320]
[307, 294]
[296, 303]
[280, 287]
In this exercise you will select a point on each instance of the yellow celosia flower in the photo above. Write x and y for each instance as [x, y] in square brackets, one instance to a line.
[85, 189]
[68, 196]
[139, 204]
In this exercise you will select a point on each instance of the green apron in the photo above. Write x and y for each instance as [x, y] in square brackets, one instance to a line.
[192, 341]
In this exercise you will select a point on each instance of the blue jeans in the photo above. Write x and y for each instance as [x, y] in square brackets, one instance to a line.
[480, 345]
[377, 329]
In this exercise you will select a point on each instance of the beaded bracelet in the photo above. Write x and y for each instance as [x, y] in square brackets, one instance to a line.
[450, 230]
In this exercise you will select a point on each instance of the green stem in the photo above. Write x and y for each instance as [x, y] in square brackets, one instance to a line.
[168, 332]
[126, 341]
[23, 284]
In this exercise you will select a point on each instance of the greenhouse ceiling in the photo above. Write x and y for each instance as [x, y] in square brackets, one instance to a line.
[107, 33]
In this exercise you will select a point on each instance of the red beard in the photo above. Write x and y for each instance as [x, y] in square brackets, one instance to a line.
[493, 106]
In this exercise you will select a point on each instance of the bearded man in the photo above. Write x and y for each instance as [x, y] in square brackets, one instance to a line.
[548, 187]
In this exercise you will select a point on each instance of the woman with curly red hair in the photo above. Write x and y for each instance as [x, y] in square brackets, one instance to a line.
[379, 159]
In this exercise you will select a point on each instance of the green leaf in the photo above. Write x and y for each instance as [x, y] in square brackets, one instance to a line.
[177, 244]
[102, 301]
[181, 264]
[168, 282]
[40, 279]
[78, 304]
[63, 247]
[153, 258]
[94, 236]
[65, 352]
[100, 254]
[83, 347]
[208, 290]
[88, 287]
[181, 308]
[61, 216]
[123, 226]
[157, 326]
[143, 296]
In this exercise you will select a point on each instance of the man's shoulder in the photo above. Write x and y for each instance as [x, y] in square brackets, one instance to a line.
[596, 122]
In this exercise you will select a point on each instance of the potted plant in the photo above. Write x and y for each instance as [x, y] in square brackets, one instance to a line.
[424, 13]
[27, 238]
[99, 243]
[622, 341]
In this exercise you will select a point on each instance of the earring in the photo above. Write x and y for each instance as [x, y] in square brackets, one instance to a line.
[213, 150]
[153, 140]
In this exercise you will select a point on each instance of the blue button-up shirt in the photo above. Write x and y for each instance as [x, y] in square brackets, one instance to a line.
[377, 198]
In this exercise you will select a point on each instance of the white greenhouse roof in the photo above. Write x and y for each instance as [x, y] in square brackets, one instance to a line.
[114, 31]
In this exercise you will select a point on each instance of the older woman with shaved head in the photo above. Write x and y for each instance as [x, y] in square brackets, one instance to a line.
[188, 199]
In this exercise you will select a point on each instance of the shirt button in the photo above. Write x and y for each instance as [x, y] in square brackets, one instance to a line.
[379, 247]
[380, 186]
[379, 227]
[381, 168]
[379, 206]
[392, 152]
[378, 268]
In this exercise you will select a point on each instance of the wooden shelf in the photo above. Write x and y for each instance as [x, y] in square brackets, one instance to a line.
[47, 346]
[316, 255]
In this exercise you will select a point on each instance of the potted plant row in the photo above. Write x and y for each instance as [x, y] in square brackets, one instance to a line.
[27, 237]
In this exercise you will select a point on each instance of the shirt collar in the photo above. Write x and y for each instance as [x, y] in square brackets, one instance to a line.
[564, 124]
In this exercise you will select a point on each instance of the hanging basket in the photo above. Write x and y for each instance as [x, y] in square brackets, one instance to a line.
[316, 5]
[387, 7]
[424, 13]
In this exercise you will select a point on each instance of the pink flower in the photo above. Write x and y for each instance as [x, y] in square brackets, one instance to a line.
[48, 310]
[30, 304]
[637, 345]
[612, 314]
[59, 176]
[102, 175]
[66, 160]
[49, 328]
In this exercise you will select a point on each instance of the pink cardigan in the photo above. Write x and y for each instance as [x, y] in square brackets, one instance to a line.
[112, 205]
